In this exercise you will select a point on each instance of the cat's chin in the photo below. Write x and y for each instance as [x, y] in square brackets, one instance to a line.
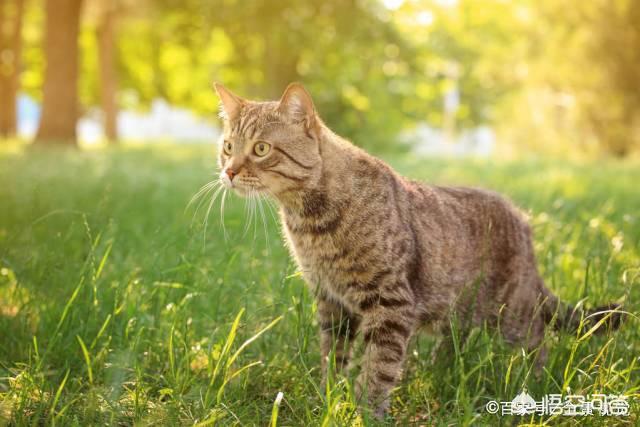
[247, 191]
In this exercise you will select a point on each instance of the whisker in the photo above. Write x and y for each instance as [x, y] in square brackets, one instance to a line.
[273, 207]
[264, 223]
[222, 224]
[201, 193]
[247, 212]
[253, 208]
[273, 210]
[204, 189]
[206, 219]
[253, 211]
[216, 192]
[254, 216]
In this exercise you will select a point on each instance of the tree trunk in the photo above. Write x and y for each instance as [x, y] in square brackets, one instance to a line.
[60, 91]
[11, 12]
[107, 70]
[279, 66]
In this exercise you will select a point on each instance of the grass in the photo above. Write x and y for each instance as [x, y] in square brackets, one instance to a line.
[117, 308]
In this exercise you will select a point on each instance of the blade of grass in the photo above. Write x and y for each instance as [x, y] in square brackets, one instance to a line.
[103, 261]
[57, 397]
[87, 358]
[232, 376]
[274, 410]
[100, 332]
[252, 339]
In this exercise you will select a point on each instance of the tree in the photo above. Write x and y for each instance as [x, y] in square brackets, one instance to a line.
[60, 91]
[107, 69]
[11, 13]
[348, 52]
[611, 104]
[582, 76]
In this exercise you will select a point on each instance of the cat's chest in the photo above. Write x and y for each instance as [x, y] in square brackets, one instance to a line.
[316, 253]
[326, 261]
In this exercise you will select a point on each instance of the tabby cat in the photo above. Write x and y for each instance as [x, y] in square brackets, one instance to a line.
[385, 255]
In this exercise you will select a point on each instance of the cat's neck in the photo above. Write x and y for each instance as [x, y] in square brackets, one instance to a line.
[331, 187]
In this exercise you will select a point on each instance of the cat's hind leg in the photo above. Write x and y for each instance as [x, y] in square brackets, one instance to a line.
[522, 324]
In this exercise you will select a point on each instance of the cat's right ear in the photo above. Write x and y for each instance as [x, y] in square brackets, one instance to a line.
[296, 103]
[230, 104]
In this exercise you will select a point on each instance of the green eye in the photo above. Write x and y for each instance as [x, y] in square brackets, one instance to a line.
[261, 149]
[227, 148]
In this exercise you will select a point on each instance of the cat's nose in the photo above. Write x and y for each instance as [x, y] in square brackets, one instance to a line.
[230, 173]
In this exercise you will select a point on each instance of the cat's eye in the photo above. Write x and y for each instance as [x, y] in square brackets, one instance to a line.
[261, 148]
[227, 148]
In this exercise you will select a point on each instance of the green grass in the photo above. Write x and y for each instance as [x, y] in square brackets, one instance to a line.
[117, 308]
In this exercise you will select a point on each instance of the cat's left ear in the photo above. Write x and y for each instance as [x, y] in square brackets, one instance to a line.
[296, 103]
[230, 103]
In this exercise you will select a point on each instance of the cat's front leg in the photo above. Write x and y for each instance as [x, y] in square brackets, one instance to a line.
[387, 326]
[338, 328]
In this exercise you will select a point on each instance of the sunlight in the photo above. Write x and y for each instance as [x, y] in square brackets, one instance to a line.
[392, 4]
[425, 18]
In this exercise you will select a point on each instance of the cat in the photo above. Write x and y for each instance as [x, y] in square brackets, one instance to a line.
[383, 254]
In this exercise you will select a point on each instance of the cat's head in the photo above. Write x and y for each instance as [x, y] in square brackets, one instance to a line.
[270, 147]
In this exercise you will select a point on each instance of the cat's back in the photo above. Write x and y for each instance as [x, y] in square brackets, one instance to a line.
[463, 205]
[463, 228]
[480, 206]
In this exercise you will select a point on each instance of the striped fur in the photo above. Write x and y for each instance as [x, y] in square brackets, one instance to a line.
[384, 254]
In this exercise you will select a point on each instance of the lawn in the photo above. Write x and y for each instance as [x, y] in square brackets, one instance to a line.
[118, 306]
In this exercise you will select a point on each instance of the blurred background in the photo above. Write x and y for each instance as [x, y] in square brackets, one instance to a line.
[453, 77]
[106, 239]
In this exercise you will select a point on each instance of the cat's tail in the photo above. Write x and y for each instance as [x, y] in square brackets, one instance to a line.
[566, 317]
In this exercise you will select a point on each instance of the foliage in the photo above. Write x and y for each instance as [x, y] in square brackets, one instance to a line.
[589, 54]
[257, 48]
[117, 308]
[378, 67]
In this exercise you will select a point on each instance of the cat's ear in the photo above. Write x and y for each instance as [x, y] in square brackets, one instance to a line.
[297, 104]
[230, 104]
